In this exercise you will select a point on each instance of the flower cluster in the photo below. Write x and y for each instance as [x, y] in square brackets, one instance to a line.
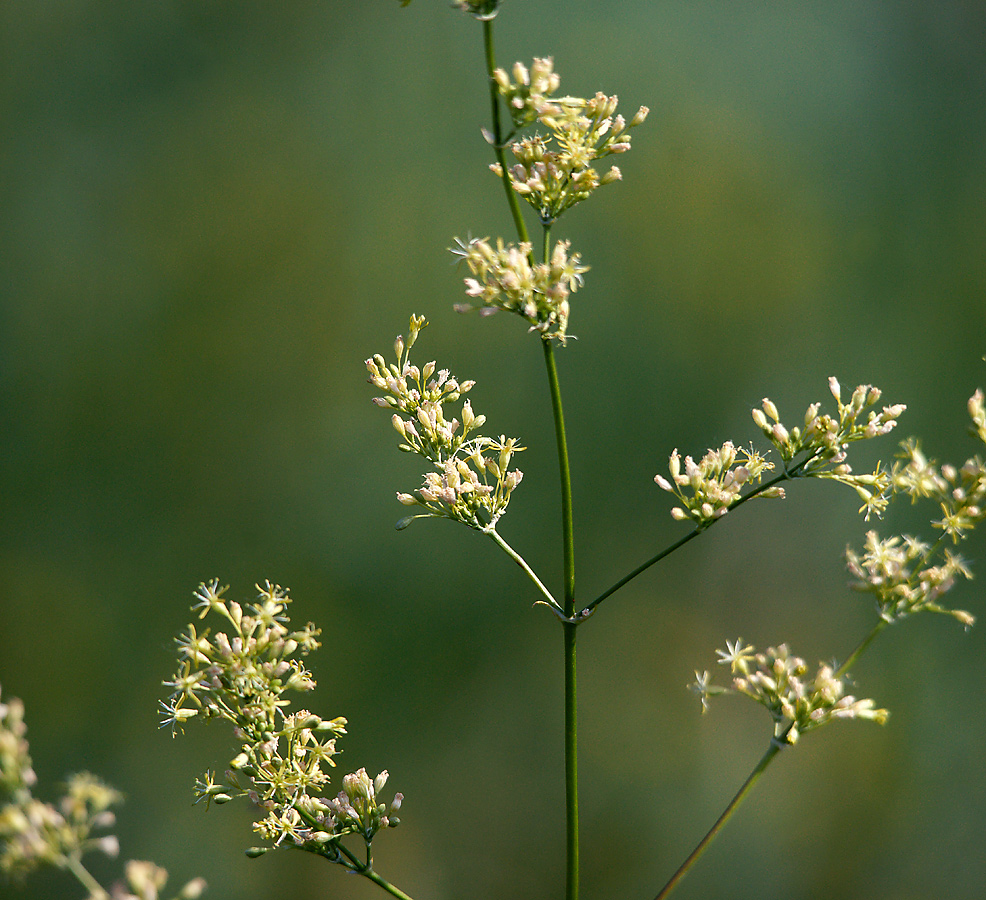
[242, 677]
[778, 681]
[907, 575]
[482, 10]
[357, 809]
[823, 441]
[554, 172]
[899, 573]
[472, 482]
[34, 833]
[709, 487]
[528, 95]
[507, 279]
[960, 492]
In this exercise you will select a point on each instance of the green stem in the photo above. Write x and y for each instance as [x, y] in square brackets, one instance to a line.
[693, 857]
[386, 885]
[82, 874]
[568, 540]
[512, 200]
[667, 551]
[571, 766]
[643, 567]
[863, 644]
[568, 569]
[568, 533]
[517, 558]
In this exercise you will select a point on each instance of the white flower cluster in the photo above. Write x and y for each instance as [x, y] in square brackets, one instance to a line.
[899, 573]
[34, 833]
[528, 94]
[242, 677]
[777, 681]
[555, 172]
[472, 481]
[823, 441]
[709, 487]
[907, 575]
[358, 809]
[506, 278]
[960, 492]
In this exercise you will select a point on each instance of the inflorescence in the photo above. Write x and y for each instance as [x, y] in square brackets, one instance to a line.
[778, 681]
[242, 676]
[707, 489]
[904, 574]
[472, 481]
[507, 279]
[34, 833]
[553, 172]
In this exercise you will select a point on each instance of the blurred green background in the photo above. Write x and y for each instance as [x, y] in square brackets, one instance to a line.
[214, 211]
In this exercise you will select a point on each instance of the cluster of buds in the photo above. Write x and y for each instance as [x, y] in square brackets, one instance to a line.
[417, 396]
[456, 492]
[823, 441]
[242, 677]
[777, 681]
[709, 487]
[472, 482]
[357, 808]
[554, 172]
[506, 278]
[34, 833]
[899, 573]
[528, 95]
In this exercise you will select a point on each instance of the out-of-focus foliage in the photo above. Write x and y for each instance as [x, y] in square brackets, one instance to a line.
[214, 212]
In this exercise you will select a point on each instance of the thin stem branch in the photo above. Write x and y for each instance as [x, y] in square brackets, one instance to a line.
[568, 534]
[95, 889]
[568, 539]
[643, 567]
[693, 857]
[860, 647]
[386, 885]
[512, 200]
[667, 551]
[517, 558]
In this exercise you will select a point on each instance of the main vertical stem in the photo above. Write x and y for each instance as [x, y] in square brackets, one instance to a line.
[571, 706]
[568, 536]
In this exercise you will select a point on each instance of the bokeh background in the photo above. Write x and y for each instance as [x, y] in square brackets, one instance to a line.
[214, 211]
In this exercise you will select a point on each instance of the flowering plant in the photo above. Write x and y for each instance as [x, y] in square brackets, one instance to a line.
[547, 152]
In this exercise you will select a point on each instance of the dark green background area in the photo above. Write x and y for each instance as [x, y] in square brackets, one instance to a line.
[212, 212]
